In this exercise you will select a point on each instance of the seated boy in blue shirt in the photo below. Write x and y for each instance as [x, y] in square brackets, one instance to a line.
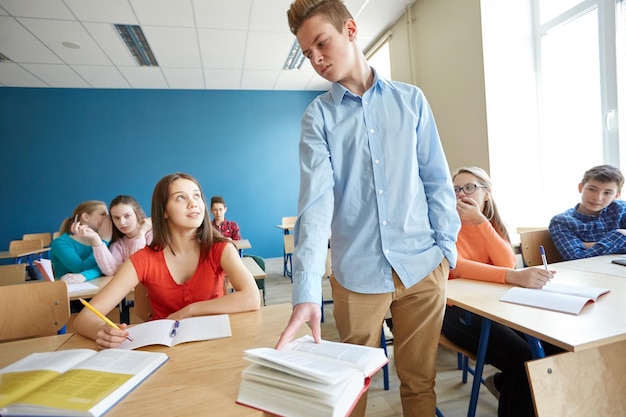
[597, 225]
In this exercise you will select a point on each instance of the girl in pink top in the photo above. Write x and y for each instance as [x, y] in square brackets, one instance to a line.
[183, 268]
[132, 231]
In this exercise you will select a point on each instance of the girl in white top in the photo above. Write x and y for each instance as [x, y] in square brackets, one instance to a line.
[132, 231]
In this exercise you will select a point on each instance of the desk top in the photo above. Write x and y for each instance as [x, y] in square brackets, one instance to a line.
[201, 378]
[242, 244]
[286, 226]
[18, 254]
[598, 324]
[98, 282]
[597, 264]
[254, 268]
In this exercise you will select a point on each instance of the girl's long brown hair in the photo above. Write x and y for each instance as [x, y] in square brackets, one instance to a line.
[85, 207]
[161, 236]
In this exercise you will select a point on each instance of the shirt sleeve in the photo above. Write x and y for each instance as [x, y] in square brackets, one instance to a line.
[570, 246]
[66, 254]
[435, 176]
[315, 210]
[236, 233]
[106, 260]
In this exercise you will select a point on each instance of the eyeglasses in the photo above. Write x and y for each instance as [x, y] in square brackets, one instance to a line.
[467, 189]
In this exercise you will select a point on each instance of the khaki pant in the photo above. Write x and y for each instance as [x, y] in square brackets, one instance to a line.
[417, 314]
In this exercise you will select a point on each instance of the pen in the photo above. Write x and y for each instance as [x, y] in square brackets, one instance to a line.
[174, 327]
[543, 257]
[103, 317]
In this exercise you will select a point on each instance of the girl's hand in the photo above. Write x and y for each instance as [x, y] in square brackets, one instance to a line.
[109, 337]
[86, 234]
[469, 211]
[105, 230]
[146, 226]
[529, 277]
[183, 313]
[73, 278]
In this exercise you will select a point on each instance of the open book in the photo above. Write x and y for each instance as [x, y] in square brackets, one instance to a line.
[557, 297]
[308, 379]
[45, 269]
[172, 332]
[76, 382]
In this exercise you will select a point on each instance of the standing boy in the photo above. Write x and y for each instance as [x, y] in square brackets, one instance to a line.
[226, 228]
[372, 171]
[597, 225]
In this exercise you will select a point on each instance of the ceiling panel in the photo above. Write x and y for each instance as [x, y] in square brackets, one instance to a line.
[199, 44]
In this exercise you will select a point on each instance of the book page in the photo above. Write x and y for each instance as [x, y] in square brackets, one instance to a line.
[35, 370]
[564, 303]
[94, 385]
[159, 332]
[587, 292]
[81, 286]
[364, 358]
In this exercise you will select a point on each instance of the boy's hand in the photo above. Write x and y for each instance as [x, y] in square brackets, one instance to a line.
[302, 313]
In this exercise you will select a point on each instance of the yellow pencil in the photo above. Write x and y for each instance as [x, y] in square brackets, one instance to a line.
[103, 317]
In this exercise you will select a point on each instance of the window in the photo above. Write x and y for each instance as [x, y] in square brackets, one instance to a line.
[378, 57]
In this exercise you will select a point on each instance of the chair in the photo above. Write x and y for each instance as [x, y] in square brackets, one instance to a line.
[19, 246]
[288, 246]
[33, 309]
[46, 238]
[55, 235]
[12, 274]
[142, 307]
[530, 242]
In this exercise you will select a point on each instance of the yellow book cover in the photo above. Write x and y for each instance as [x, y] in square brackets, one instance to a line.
[78, 382]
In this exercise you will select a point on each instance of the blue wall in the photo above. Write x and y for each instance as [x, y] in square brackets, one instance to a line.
[59, 147]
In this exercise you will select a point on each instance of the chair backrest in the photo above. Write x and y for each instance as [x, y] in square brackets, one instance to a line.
[55, 235]
[12, 274]
[289, 221]
[530, 242]
[142, 307]
[46, 238]
[17, 246]
[33, 309]
[288, 242]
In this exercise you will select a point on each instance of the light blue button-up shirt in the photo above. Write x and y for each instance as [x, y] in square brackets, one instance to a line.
[373, 176]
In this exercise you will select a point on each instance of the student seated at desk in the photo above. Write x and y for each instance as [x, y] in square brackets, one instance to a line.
[597, 225]
[485, 253]
[226, 227]
[183, 269]
[71, 254]
[132, 230]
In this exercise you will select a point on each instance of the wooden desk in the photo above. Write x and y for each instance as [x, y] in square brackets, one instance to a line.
[98, 282]
[241, 245]
[201, 378]
[18, 255]
[597, 264]
[258, 274]
[14, 351]
[286, 228]
[599, 331]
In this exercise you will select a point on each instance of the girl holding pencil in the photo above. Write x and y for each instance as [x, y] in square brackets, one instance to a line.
[183, 269]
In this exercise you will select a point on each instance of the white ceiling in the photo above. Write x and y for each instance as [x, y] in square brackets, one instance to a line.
[199, 44]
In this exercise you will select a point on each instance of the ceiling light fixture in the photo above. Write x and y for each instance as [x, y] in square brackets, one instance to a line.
[71, 45]
[295, 59]
[137, 44]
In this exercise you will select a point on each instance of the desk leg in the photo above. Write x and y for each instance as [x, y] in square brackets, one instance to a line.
[124, 311]
[480, 363]
[536, 347]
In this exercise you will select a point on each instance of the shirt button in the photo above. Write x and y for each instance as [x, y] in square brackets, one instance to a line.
[387, 251]
[376, 161]
[384, 223]
[371, 130]
[380, 191]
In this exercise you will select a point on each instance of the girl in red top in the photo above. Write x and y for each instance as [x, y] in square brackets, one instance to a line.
[183, 268]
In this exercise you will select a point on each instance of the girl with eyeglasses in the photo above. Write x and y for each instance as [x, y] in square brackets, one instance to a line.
[485, 253]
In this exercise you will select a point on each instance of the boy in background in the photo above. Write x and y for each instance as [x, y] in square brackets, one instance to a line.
[372, 171]
[226, 227]
[597, 225]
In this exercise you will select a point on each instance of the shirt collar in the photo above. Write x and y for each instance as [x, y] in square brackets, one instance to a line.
[338, 91]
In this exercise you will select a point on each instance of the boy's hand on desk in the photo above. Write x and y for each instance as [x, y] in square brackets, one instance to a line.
[302, 313]
[529, 277]
[109, 337]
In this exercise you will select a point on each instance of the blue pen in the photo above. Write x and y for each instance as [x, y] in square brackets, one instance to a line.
[543, 257]
[173, 332]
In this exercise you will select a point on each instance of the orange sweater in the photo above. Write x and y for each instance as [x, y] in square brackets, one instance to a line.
[483, 254]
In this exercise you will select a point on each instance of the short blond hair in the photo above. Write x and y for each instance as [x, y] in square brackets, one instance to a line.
[335, 11]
